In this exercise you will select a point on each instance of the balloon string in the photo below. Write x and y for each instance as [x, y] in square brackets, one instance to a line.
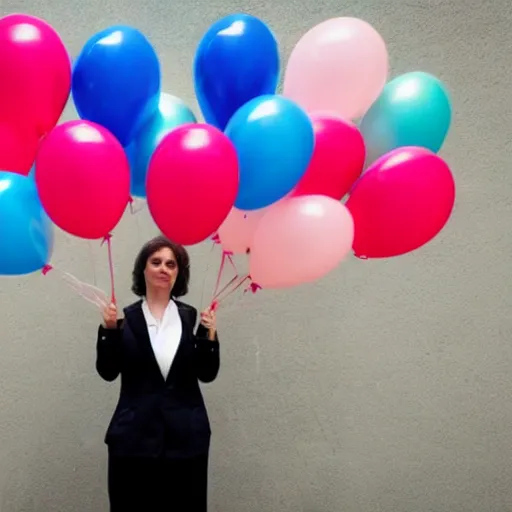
[252, 287]
[219, 274]
[241, 281]
[226, 287]
[216, 241]
[88, 292]
[226, 256]
[108, 240]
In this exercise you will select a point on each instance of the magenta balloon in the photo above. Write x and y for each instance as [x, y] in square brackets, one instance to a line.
[337, 161]
[36, 73]
[83, 178]
[192, 182]
[401, 202]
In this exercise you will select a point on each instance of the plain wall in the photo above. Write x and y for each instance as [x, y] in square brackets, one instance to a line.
[384, 387]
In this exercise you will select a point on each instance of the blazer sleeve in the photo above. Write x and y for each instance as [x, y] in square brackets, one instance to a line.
[207, 354]
[108, 352]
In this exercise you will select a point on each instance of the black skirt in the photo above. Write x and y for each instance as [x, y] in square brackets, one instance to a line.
[158, 485]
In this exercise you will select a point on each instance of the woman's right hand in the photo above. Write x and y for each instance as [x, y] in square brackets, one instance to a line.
[110, 316]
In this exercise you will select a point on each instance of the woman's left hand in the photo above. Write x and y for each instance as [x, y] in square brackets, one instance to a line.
[208, 319]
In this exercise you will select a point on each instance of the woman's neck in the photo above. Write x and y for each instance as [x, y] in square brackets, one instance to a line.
[157, 300]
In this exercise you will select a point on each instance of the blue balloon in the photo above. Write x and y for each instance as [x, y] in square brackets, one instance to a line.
[116, 81]
[172, 112]
[413, 110]
[274, 140]
[26, 232]
[236, 61]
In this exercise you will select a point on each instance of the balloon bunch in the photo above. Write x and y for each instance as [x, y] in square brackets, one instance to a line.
[36, 78]
[264, 174]
[288, 215]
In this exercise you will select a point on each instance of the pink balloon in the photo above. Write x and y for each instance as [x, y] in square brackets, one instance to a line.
[192, 182]
[237, 231]
[337, 161]
[339, 66]
[83, 178]
[18, 149]
[300, 240]
[401, 202]
[36, 73]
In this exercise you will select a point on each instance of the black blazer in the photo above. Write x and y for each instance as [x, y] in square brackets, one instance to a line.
[156, 417]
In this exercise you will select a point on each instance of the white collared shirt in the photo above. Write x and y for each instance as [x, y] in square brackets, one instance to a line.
[165, 336]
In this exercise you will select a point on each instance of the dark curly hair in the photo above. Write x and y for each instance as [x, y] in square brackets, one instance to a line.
[180, 287]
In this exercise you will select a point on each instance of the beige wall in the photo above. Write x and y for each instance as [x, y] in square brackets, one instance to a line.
[384, 388]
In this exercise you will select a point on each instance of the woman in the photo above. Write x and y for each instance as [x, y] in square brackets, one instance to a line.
[159, 436]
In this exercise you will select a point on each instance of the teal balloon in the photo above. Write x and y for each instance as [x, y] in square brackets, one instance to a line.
[172, 112]
[413, 110]
[26, 232]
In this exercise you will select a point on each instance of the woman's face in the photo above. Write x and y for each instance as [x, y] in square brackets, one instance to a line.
[161, 270]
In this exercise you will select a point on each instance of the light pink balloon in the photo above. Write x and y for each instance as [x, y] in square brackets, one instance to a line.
[340, 66]
[237, 231]
[299, 241]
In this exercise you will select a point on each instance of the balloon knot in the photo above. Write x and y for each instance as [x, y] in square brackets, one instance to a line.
[253, 287]
[214, 305]
[46, 269]
[216, 238]
[106, 238]
[228, 253]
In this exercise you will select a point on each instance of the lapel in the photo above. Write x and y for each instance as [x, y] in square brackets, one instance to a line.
[135, 318]
[185, 329]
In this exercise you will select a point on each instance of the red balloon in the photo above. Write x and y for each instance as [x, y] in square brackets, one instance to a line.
[83, 178]
[36, 73]
[18, 149]
[337, 161]
[401, 202]
[192, 182]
